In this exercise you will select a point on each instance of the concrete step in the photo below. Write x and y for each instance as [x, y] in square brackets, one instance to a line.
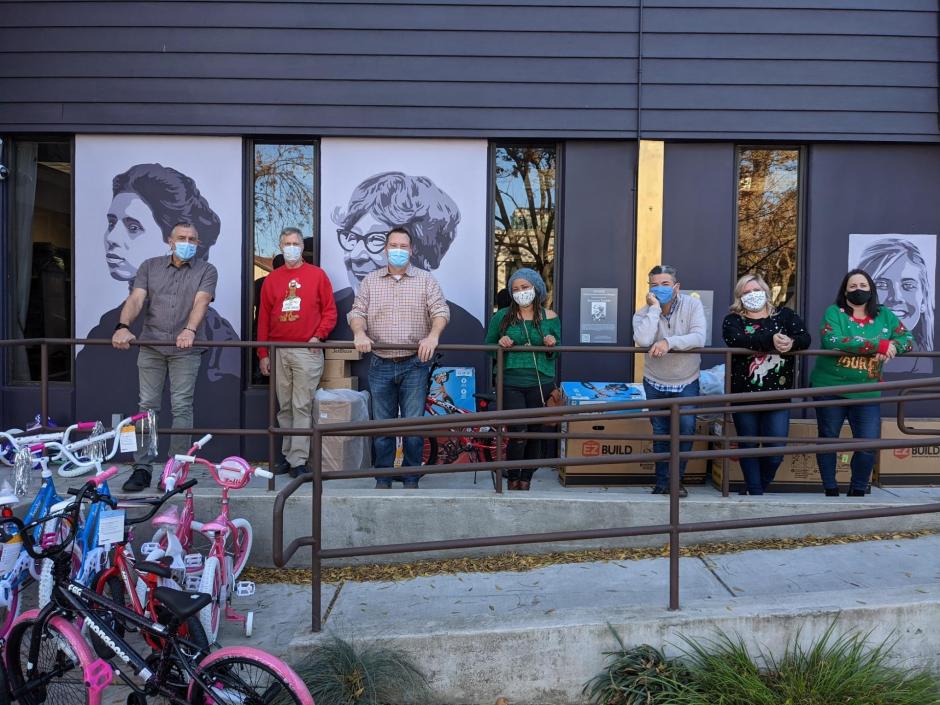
[538, 636]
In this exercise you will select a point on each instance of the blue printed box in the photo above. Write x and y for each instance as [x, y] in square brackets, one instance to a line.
[585, 393]
[453, 387]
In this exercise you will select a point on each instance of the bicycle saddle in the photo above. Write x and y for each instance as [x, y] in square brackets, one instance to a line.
[183, 605]
[157, 569]
[167, 517]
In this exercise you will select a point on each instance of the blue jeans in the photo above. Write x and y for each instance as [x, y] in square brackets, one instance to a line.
[398, 387]
[661, 428]
[759, 472]
[865, 421]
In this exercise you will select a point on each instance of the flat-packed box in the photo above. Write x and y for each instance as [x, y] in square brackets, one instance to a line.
[797, 473]
[583, 393]
[341, 406]
[342, 354]
[339, 383]
[909, 466]
[642, 473]
[452, 387]
[335, 369]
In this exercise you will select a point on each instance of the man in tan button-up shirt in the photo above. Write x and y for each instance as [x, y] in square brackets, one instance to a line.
[398, 304]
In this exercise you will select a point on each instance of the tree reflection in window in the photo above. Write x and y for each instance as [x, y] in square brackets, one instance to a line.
[524, 231]
[768, 203]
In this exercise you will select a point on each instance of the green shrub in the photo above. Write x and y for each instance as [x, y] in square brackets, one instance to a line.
[641, 675]
[342, 673]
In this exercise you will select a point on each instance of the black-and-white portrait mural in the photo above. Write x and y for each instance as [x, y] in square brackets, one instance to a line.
[436, 189]
[903, 268]
[129, 193]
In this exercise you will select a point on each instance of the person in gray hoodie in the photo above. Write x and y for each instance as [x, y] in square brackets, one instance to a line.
[670, 321]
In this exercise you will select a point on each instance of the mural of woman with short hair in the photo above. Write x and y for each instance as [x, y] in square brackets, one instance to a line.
[899, 271]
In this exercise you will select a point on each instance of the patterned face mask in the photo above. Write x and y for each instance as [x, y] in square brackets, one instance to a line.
[754, 300]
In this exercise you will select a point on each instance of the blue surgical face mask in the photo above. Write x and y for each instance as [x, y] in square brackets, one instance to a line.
[185, 250]
[292, 253]
[398, 258]
[663, 294]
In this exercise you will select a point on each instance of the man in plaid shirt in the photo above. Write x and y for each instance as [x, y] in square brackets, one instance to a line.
[398, 304]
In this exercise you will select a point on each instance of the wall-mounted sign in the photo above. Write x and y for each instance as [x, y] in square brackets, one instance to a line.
[598, 316]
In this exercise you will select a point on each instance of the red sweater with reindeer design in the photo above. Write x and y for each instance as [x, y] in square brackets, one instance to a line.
[296, 305]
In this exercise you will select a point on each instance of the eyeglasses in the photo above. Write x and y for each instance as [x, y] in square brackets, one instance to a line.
[374, 241]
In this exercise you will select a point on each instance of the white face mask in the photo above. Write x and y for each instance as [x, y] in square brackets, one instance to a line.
[291, 253]
[524, 297]
[754, 300]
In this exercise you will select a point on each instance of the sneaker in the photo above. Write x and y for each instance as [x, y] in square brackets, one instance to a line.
[660, 489]
[383, 483]
[410, 483]
[683, 492]
[139, 479]
[855, 493]
[298, 471]
[281, 467]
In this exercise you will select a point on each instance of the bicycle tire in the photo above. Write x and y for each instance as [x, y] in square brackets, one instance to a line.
[45, 575]
[4, 687]
[211, 584]
[240, 556]
[430, 451]
[62, 646]
[250, 675]
[9, 613]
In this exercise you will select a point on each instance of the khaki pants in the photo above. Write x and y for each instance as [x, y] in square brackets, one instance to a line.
[298, 374]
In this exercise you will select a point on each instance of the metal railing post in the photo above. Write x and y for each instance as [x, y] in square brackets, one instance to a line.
[316, 576]
[725, 425]
[498, 475]
[44, 385]
[674, 435]
[272, 396]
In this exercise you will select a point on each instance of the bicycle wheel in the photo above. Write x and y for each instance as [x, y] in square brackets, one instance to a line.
[63, 657]
[211, 584]
[241, 545]
[238, 675]
[11, 610]
[111, 587]
[429, 456]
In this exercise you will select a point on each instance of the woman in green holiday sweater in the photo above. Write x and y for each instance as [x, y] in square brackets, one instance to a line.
[528, 376]
[871, 334]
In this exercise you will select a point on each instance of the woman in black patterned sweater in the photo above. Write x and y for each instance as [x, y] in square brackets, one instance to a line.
[770, 332]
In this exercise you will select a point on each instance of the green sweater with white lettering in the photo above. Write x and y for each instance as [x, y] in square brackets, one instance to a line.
[862, 339]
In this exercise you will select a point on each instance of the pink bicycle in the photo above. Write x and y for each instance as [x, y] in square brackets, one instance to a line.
[230, 539]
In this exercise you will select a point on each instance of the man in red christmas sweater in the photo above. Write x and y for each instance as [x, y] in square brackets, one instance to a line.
[296, 305]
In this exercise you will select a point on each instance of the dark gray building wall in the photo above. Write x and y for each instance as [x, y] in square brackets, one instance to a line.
[597, 247]
[711, 69]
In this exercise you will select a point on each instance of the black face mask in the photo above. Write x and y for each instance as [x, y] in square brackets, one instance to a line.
[858, 297]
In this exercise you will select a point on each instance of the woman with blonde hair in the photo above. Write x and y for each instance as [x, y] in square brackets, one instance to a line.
[755, 323]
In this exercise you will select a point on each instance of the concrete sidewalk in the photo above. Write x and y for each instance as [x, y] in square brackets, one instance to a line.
[538, 636]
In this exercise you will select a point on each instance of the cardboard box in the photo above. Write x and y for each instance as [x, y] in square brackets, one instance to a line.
[335, 369]
[344, 452]
[584, 393]
[342, 354]
[453, 387]
[339, 383]
[909, 466]
[797, 473]
[642, 473]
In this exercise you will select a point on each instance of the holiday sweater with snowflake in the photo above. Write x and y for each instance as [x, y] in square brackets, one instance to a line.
[861, 338]
[766, 370]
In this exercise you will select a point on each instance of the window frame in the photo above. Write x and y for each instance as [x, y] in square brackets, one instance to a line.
[248, 281]
[801, 215]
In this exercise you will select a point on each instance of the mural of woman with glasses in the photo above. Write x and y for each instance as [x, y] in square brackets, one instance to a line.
[379, 203]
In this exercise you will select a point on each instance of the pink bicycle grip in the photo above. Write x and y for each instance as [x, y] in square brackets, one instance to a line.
[86, 425]
[37, 447]
[138, 417]
[105, 476]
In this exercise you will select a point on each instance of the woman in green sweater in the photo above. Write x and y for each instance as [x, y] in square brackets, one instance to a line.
[528, 376]
[870, 334]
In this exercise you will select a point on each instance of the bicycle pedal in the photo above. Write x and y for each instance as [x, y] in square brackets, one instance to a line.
[244, 588]
[193, 562]
[149, 547]
[192, 583]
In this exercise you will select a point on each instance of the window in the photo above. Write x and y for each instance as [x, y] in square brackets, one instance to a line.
[40, 245]
[283, 178]
[525, 214]
[768, 219]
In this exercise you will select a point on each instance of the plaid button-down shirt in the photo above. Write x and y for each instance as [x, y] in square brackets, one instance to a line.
[399, 311]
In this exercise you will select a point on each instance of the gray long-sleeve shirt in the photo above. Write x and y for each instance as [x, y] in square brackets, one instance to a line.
[684, 329]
